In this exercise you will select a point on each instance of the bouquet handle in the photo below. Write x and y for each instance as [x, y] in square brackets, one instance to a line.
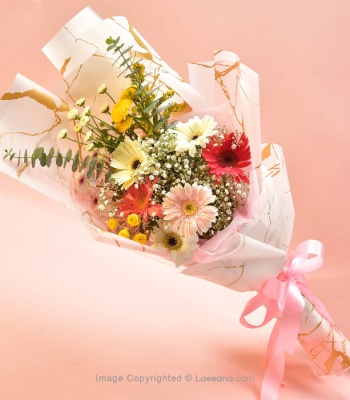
[300, 316]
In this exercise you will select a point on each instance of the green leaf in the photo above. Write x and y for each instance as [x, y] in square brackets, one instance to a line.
[59, 159]
[148, 94]
[75, 162]
[48, 160]
[126, 60]
[19, 158]
[172, 125]
[160, 123]
[142, 88]
[43, 159]
[25, 157]
[162, 109]
[33, 162]
[92, 167]
[99, 169]
[11, 156]
[67, 158]
[108, 176]
[49, 157]
[69, 155]
[85, 162]
[151, 106]
[38, 152]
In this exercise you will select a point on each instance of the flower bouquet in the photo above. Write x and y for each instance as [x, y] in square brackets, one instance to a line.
[173, 169]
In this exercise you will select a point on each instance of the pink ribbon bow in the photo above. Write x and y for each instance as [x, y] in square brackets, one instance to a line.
[283, 299]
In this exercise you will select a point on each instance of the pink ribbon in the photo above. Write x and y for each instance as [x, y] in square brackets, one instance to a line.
[283, 299]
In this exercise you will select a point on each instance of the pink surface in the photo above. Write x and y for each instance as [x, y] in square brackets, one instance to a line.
[72, 308]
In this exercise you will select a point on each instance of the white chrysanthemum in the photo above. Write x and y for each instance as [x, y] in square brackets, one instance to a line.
[80, 102]
[194, 133]
[84, 120]
[86, 112]
[168, 239]
[126, 159]
[90, 147]
[88, 136]
[72, 114]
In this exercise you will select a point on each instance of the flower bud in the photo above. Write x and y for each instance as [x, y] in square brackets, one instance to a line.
[62, 134]
[102, 89]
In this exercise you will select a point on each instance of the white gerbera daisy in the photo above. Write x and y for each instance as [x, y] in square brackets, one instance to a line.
[168, 239]
[194, 133]
[126, 159]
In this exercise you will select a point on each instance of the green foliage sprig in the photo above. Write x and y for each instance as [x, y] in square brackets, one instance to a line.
[151, 114]
[93, 165]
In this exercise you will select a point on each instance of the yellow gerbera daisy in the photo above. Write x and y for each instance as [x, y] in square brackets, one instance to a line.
[126, 158]
[120, 110]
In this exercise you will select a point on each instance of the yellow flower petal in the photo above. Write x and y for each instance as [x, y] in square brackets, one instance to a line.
[134, 220]
[120, 110]
[128, 93]
[112, 223]
[140, 238]
[124, 233]
[124, 125]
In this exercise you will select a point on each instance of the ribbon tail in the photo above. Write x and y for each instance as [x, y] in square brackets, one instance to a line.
[275, 364]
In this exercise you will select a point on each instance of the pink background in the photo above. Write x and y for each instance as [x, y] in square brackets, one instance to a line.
[72, 308]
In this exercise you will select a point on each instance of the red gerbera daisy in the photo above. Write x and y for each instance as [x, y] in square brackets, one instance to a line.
[138, 201]
[228, 155]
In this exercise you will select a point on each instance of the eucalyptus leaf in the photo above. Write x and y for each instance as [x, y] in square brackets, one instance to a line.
[43, 159]
[92, 167]
[59, 159]
[75, 162]
[86, 162]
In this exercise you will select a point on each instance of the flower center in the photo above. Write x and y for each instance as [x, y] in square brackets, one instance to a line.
[189, 207]
[172, 241]
[195, 135]
[227, 158]
[141, 202]
[135, 163]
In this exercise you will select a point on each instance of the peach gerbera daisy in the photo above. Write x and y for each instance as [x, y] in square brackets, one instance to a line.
[187, 209]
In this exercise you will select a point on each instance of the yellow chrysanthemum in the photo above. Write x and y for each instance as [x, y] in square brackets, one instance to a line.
[124, 125]
[133, 220]
[120, 110]
[140, 238]
[112, 223]
[124, 233]
[128, 93]
[126, 159]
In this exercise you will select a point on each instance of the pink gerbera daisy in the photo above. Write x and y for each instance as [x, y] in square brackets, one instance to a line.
[139, 201]
[187, 209]
[229, 155]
